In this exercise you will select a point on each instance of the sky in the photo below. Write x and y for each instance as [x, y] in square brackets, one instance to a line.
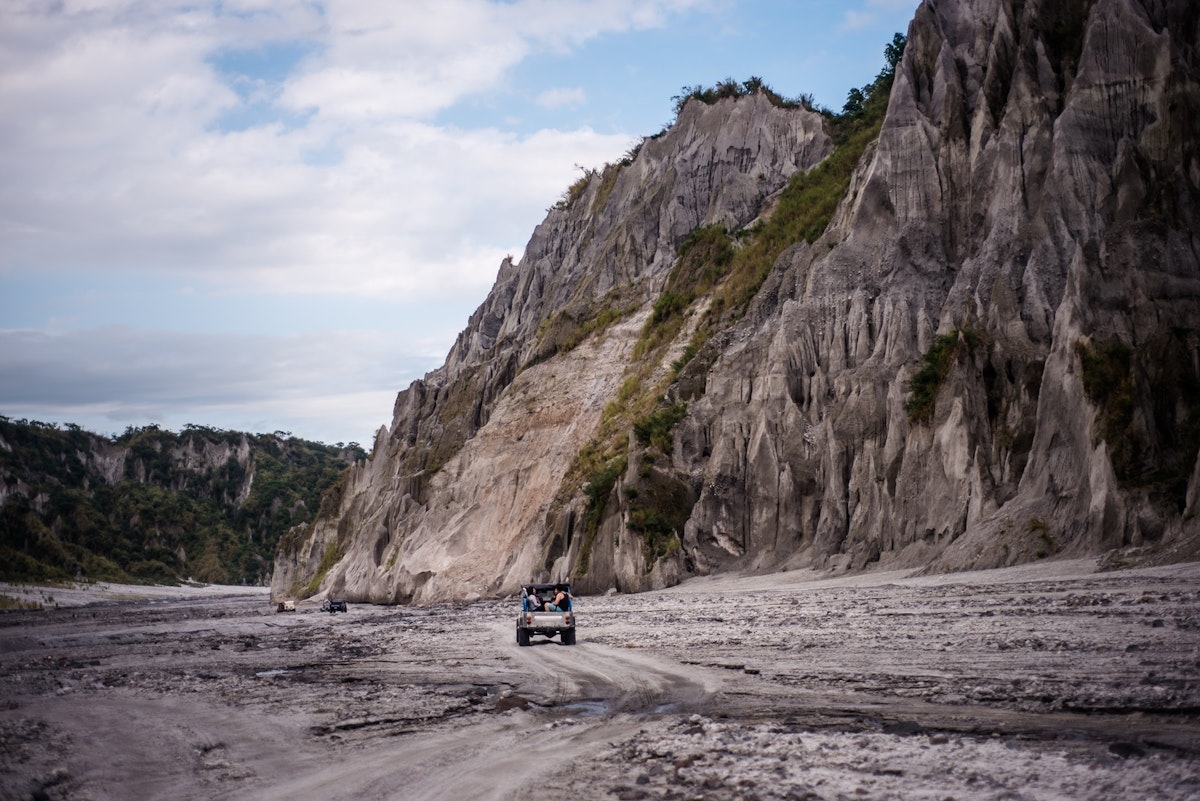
[273, 215]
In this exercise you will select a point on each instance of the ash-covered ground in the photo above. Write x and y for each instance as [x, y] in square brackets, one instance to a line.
[1049, 681]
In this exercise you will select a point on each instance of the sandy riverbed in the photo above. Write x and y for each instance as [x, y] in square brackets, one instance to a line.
[1043, 682]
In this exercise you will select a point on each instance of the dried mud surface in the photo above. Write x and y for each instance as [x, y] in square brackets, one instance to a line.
[1043, 682]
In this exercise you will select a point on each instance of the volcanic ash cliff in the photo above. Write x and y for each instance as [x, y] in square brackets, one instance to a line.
[990, 355]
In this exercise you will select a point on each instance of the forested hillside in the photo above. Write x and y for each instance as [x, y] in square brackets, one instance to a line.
[154, 505]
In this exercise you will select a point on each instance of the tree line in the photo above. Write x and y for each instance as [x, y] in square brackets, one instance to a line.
[155, 506]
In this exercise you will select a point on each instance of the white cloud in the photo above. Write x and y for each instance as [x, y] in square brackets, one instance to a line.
[858, 19]
[116, 158]
[554, 98]
[266, 147]
[327, 385]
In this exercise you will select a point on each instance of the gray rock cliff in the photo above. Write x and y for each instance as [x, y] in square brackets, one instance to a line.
[990, 355]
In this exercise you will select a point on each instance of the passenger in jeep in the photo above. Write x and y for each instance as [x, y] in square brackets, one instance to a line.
[561, 601]
[532, 602]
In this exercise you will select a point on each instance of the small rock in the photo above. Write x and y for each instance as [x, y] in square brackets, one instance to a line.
[1126, 750]
[511, 702]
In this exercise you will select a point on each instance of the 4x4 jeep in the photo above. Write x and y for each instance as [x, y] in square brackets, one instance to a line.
[334, 605]
[539, 615]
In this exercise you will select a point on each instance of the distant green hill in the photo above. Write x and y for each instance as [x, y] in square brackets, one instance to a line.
[154, 505]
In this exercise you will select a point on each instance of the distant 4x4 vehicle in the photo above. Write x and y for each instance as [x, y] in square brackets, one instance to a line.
[334, 605]
[548, 610]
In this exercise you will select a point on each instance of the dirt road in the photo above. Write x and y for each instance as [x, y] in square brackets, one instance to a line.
[1049, 681]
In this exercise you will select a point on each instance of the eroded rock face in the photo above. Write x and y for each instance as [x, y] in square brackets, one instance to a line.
[1033, 193]
[1029, 213]
[454, 499]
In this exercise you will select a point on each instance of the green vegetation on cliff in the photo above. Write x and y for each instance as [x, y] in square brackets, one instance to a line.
[733, 272]
[153, 505]
[722, 272]
[935, 366]
[1147, 401]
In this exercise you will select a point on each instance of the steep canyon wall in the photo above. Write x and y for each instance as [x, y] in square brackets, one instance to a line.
[991, 355]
